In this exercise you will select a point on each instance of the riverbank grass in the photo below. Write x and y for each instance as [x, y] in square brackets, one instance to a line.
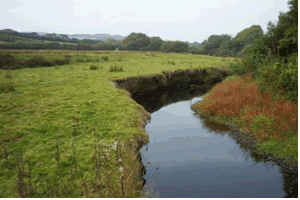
[54, 121]
[273, 121]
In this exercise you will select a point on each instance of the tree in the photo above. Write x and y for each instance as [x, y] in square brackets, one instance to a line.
[135, 41]
[155, 43]
[213, 43]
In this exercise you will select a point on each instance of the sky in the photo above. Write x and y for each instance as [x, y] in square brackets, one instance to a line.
[188, 20]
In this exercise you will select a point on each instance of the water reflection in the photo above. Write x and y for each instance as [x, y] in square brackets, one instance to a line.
[185, 158]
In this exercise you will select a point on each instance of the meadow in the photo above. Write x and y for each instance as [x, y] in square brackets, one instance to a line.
[66, 131]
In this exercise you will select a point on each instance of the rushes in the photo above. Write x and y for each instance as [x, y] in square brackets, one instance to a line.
[7, 85]
[95, 67]
[105, 58]
[115, 68]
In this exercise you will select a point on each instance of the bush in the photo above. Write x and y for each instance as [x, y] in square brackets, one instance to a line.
[38, 61]
[237, 68]
[6, 60]
[282, 77]
[61, 62]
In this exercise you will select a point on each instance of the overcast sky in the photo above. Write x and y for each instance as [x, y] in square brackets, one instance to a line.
[184, 20]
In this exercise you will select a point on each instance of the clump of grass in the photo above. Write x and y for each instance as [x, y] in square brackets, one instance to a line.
[95, 67]
[68, 57]
[80, 60]
[106, 58]
[61, 62]
[171, 62]
[7, 85]
[89, 60]
[115, 68]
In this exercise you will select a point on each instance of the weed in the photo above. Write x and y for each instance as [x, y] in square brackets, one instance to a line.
[68, 57]
[80, 60]
[105, 58]
[95, 67]
[7, 85]
[115, 68]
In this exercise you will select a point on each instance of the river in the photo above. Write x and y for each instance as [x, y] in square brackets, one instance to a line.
[186, 159]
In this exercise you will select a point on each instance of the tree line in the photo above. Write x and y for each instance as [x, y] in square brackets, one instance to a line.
[216, 45]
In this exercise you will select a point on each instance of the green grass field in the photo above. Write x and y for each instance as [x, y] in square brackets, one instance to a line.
[54, 109]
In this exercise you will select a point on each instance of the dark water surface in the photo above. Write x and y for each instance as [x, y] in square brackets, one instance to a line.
[184, 159]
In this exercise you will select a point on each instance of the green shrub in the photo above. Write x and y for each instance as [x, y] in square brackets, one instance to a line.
[6, 60]
[38, 61]
[237, 68]
[282, 77]
[115, 68]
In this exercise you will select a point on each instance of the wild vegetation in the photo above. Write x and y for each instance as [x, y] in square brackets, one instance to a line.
[265, 101]
[66, 131]
[52, 117]
[215, 45]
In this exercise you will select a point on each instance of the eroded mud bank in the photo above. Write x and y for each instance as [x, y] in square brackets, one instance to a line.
[197, 80]
[198, 77]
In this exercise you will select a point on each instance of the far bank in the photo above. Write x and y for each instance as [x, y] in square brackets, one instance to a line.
[239, 103]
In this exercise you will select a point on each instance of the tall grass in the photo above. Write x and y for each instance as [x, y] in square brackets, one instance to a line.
[270, 120]
[111, 174]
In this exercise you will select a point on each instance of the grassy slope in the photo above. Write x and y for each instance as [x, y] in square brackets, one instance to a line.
[49, 101]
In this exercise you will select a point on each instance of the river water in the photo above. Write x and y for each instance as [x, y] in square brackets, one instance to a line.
[185, 159]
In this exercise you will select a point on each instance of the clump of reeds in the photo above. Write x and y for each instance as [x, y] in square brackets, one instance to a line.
[7, 84]
[105, 58]
[114, 68]
[95, 67]
[68, 57]
[80, 60]
[171, 62]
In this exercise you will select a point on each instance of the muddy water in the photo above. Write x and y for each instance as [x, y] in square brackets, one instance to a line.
[186, 159]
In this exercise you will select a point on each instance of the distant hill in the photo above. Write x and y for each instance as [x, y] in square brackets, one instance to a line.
[97, 36]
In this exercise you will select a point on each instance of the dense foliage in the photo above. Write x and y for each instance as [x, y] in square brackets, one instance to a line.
[273, 58]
